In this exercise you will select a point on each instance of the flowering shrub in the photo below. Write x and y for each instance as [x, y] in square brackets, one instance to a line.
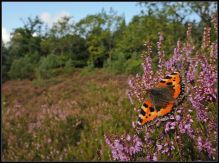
[124, 148]
[189, 134]
[49, 131]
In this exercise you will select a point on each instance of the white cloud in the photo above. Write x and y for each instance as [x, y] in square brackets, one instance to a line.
[60, 16]
[46, 18]
[49, 19]
[5, 35]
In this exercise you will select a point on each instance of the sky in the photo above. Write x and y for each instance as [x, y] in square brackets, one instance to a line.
[49, 12]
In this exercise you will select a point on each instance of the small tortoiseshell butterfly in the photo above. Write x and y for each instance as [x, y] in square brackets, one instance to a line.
[161, 99]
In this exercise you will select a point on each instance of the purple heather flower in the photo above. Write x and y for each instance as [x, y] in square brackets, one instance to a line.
[159, 147]
[181, 128]
[179, 111]
[130, 97]
[147, 135]
[191, 71]
[178, 118]
[147, 77]
[118, 144]
[209, 149]
[137, 144]
[152, 157]
[167, 148]
[169, 126]
[214, 52]
[199, 74]
[201, 145]
[160, 53]
[173, 61]
[186, 127]
[199, 107]
[212, 127]
[173, 125]
[125, 147]
[172, 145]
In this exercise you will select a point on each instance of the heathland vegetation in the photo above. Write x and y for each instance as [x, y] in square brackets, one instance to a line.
[65, 88]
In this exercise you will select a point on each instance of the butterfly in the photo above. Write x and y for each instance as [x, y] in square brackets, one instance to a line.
[161, 100]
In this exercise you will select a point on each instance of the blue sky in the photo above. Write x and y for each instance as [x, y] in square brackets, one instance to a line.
[12, 12]
[49, 12]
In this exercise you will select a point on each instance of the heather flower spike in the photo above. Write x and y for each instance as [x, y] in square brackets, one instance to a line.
[190, 125]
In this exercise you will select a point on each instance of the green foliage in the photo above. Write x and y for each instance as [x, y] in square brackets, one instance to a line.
[97, 47]
[134, 35]
[87, 71]
[23, 40]
[121, 63]
[78, 51]
[180, 11]
[24, 67]
[68, 65]
[133, 66]
[98, 30]
[61, 129]
[47, 65]
[100, 40]
[96, 100]
[117, 65]
[6, 63]
[103, 39]
[71, 130]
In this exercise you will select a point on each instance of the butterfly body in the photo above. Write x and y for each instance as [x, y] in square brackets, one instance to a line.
[160, 96]
[161, 99]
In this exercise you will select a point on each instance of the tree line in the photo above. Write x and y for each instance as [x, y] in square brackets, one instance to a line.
[102, 40]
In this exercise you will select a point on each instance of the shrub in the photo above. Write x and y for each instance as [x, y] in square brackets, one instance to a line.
[48, 64]
[69, 65]
[189, 134]
[123, 63]
[79, 63]
[133, 66]
[49, 133]
[116, 65]
[23, 67]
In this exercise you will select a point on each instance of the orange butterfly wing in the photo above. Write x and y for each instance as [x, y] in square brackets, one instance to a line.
[148, 113]
[174, 81]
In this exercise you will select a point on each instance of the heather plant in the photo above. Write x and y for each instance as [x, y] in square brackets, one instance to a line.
[48, 133]
[190, 133]
[64, 118]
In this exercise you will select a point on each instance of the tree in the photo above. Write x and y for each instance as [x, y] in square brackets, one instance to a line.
[180, 11]
[26, 40]
[58, 41]
[98, 30]
[6, 63]
[204, 10]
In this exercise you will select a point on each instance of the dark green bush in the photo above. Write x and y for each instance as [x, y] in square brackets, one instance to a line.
[133, 66]
[79, 63]
[117, 64]
[124, 63]
[23, 67]
[47, 64]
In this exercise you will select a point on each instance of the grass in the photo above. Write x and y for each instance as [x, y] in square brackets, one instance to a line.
[65, 117]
